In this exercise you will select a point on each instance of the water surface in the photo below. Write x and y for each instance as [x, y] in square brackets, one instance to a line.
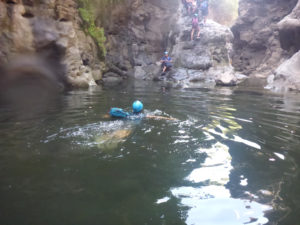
[231, 157]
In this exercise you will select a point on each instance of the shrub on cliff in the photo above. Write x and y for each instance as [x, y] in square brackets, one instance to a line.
[97, 33]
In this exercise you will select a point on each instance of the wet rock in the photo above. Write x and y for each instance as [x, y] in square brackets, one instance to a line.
[287, 76]
[139, 73]
[142, 37]
[258, 41]
[196, 76]
[111, 78]
[207, 59]
[289, 30]
[224, 77]
[147, 72]
[180, 74]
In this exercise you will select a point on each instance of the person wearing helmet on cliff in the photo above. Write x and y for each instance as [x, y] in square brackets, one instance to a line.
[204, 10]
[194, 8]
[189, 6]
[166, 62]
[137, 112]
[185, 4]
[195, 26]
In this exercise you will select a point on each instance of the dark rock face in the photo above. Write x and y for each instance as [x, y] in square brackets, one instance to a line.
[287, 76]
[136, 46]
[289, 30]
[139, 32]
[259, 44]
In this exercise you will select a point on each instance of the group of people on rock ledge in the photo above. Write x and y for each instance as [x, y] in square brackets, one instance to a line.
[198, 10]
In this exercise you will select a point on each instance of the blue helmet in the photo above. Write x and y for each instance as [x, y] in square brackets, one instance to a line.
[137, 106]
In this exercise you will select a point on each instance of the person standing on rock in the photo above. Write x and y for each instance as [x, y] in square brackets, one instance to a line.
[185, 4]
[166, 62]
[189, 5]
[204, 10]
[194, 8]
[195, 26]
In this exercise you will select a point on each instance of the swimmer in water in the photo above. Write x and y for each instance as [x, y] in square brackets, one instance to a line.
[112, 140]
[137, 108]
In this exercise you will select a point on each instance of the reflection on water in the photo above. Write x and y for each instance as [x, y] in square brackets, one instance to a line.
[231, 158]
[208, 199]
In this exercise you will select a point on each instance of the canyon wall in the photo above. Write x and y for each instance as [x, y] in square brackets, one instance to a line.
[50, 31]
[52, 34]
[259, 44]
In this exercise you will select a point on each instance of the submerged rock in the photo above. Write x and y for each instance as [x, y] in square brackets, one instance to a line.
[111, 78]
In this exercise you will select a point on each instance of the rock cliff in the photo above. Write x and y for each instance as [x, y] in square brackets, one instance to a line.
[261, 40]
[153, 26]
[265, 35]
[52, 30]
[287, 76]
[138, 34]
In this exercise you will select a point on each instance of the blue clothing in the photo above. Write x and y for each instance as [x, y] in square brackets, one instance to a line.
[204, 8]
[120, 113]
[167, 62]
[166, 58]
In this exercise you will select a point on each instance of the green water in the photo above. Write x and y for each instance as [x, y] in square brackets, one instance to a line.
[232, 157]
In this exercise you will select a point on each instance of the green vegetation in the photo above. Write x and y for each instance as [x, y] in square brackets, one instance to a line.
[95, 14]
[224, 11]
[97, 33]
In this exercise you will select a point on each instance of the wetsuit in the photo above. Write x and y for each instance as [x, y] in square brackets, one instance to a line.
[121, 114]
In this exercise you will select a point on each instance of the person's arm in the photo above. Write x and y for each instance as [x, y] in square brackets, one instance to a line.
[161, 118]
[106, 116]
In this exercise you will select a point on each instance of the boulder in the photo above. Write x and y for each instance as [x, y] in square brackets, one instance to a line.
[111, 79]
[225, 77]
[287, 76]
[289, 30]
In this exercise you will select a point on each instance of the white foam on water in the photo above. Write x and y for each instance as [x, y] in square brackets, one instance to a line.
[162, 200]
